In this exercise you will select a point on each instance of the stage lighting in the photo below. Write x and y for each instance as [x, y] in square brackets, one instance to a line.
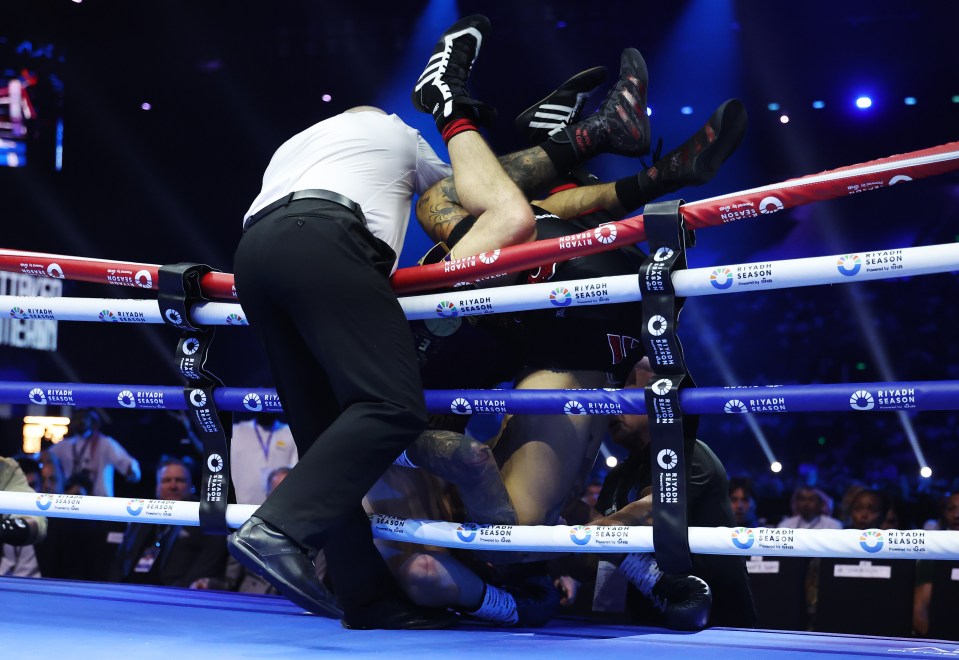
[863, 102]
[819, 105]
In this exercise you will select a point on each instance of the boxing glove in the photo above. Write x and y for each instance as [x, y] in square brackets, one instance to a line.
[14, 531]
[684, 600]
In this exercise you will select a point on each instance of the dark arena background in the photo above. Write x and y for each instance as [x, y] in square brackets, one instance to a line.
[148, 127]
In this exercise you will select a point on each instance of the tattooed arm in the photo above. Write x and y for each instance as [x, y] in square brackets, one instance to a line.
[438, 210]
[470, 466]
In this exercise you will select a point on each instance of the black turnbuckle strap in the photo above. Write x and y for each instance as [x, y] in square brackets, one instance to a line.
[179, 291]
[667, 237]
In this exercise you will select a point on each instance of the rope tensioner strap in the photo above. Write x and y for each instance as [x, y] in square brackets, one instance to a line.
[179, 291]
[667, 254]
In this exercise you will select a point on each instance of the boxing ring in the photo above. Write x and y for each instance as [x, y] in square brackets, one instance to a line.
[151, 622]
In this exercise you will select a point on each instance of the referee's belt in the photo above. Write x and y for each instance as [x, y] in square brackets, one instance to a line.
[313, 193]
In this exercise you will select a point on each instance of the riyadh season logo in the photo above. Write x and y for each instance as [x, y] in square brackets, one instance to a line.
[849, 264]
[667, 459]
[605, 234]
[770, 205]
[734, 406]
[54, 271]
[446, 310]
[235, 319]
[461, 406]
[44, 501]
[657, 325]
[743, 538]
[135, 507]
[143, 279]
[198, 398]
[37, 396]
[215, 463]
[560, 297]
[662, 386]
[107, 316]
[18, 313]
[488, 257]
[252, 402]
[862, 400]
[173, 316]
[899, 178]
[721, 278]
[126, 399]
[466, 532]
[580, 534]
[191, 345]
[662, 254]
[574, 408]
[871, 540]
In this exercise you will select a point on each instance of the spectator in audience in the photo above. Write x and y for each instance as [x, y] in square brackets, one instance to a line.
[169, 555]
[78, 484]
[895, 517]
[51, 474]
[809, 507]
[867, 509]
[19, 533]
[742, 501]
[948, 520]
[95, 455]
[259, 446]
[848, 496]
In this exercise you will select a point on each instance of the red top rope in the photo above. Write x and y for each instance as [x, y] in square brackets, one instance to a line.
[831, 184]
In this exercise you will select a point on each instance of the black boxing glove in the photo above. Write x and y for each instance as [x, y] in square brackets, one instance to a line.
[684, 600]
[14, 530]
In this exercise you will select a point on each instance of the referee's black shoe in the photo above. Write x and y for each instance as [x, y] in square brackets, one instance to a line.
[269, 553]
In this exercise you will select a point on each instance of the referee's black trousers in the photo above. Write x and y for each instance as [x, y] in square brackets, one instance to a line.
[313, 282]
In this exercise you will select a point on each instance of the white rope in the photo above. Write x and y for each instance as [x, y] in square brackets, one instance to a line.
[92, 507]
[733, 278]
[847, 543]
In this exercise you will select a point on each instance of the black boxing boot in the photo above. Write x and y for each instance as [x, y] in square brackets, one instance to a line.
[561, 108]
[692, 164]
[620, 126]
[441, 89]
[685, 601]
